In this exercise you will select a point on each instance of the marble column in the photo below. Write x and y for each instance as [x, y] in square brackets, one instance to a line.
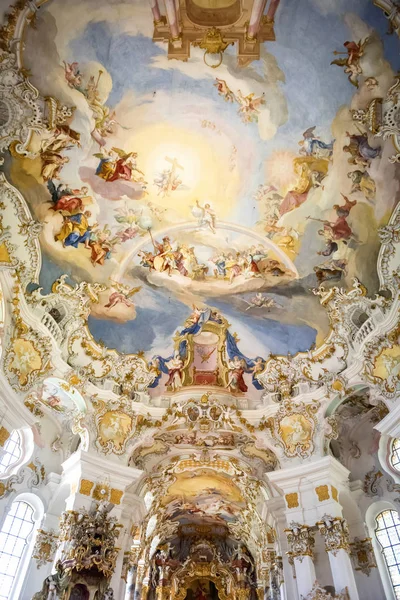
[255, 18]
[172, 17]
[301, 541]
[336, 536]
[273, 7]
[287, 578]
[155, 9]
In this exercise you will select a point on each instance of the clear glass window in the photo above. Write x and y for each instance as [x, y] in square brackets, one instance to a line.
[395, 456]
[17, 526]
[11, 452]
[388, 535]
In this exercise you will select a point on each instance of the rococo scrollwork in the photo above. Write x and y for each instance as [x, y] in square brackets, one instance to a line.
[199, 297]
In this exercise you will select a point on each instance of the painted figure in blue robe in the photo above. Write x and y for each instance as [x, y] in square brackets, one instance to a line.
[75, 230]
[360, 150]
[220, 263]
[311, 145]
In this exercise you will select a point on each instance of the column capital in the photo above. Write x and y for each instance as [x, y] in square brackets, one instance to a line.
[335, 532]
[301, 540]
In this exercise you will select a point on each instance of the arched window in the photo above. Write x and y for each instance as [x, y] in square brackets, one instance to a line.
[15, 537]
[395, 455]
[388, 535]
[11, 452]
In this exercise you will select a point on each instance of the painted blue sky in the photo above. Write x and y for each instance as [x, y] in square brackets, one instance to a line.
[305, 41]
[306, 37]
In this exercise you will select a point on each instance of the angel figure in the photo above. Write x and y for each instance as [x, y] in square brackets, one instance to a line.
[175, 367]
[237, 368]
[62, 138]
[157, 211]
[361, 153]
[261, 301]
[105, 125]
[249, 106]
[129, 217]
[101, 245]
[351, 62]
[122, 294]
[52, 163]
[118, 164]
[205, 215]
[311, 145]
[263, 192]
[66, 200]
[362, 182]
[72, 75]
[224, 90]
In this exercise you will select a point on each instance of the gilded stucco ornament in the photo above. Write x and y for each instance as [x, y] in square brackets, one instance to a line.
[23, 254]
[372, 483]
[203, 423]
[301, 540]
[213, 571]
[45, 547]
[28, 354]
[382, 117]
[319, 593]
[82, 532]
[213, 43]
[353, 316]
[336, 533]
[388, 259]
[32, 475]
[382, 363]
[285, 377]
[116, 423]
[293, 427]
[25, 111]
[362, 555]
[126, 374]
[89, 553]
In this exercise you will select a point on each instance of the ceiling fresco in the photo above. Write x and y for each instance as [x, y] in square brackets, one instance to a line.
[209, 202]
[203, 497]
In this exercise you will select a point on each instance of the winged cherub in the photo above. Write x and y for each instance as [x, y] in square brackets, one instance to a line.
[72, 74]
[261, 301]
[249, 106]
[224, 90]
[351, 62]
[122, 294]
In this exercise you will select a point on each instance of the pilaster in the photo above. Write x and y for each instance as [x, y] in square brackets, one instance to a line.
[336, 536]
[311, 489]
[311, 494]
[301, 543]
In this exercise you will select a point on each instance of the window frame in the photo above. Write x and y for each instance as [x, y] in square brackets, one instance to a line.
[395, 587]
[4, 452]
[372, 512]
[396, 451]
[26, 446]
[38, 513]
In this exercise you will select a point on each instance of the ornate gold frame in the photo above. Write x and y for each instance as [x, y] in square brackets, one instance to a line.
[204, 572]
[218, 329]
